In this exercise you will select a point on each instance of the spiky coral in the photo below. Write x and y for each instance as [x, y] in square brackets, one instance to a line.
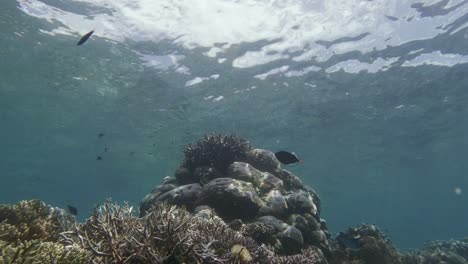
[29, 220]
[307, 256]
[217, 151]
[29, 233]
[32, 232]
[37, 251]
[113, 234]
[166, 234]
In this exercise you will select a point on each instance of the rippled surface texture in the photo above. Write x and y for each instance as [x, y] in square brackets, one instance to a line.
[371, 94]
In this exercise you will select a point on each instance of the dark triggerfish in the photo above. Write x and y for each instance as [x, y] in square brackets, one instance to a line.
[287, 157]
[85, 37]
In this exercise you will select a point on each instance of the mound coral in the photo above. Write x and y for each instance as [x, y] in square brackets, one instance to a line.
[364, 244]
[247, 186]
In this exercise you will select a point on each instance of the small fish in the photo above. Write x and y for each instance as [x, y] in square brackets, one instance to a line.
[100, 135]
[106, 149]
[287, 157]
[72, 210]
[98, 158]
[131, 153]
[85, 38]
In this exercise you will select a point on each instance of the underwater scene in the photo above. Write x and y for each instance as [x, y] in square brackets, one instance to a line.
[234, 131]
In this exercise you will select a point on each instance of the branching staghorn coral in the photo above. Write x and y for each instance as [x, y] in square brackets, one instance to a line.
[29, 220]
[29, 232]
[167, 234]
[32, 232]
[110, 234]
[307, 256]
[36, 251]
[114, 235]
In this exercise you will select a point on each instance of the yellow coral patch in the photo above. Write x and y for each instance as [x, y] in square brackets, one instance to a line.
[242, 253]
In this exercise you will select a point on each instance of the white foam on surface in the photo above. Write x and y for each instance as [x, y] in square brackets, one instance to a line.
[286, 26]
[162, 62]
[263, 76]
[198, 80]
[355, 66]
[436, 58]
[302, 72]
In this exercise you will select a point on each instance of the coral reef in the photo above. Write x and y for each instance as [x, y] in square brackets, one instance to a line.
[30, 232]
[167, 234]
[237, 182]
[171, 234]
[30, 220]
[228, 203]
[36, 251]
[113, 234]
[364, 244]
[440, 252]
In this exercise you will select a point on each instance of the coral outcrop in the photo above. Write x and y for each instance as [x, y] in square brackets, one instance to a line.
[227, 203]
[246, 185]
[167, 234]
[171, 234]
[440, 252]
[364, 244]
[30, 233]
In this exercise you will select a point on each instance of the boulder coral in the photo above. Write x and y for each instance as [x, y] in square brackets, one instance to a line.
[364, 244]
[240, 182]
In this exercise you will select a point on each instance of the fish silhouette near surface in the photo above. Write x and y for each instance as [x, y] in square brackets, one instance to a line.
[72, 210]
[85, 38]
[286, 157]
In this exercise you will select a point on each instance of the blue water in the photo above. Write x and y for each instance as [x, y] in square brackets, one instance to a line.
[381, 121]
